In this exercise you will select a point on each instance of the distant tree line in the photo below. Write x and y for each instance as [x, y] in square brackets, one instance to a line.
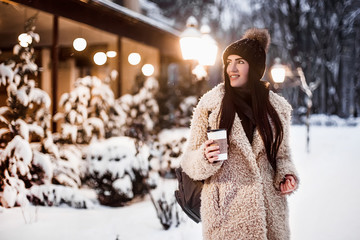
[321, 37]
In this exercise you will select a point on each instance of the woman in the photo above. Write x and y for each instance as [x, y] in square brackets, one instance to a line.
[244, 197]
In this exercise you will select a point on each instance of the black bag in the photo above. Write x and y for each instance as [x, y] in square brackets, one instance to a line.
[188, 195]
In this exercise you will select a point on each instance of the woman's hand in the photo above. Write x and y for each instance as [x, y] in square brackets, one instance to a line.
[288, 185]
[211, 151]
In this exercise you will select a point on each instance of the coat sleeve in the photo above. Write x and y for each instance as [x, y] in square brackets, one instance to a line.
[193, 160]
[285, 166]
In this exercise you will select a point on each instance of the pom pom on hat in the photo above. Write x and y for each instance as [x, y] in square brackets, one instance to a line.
[261, 35]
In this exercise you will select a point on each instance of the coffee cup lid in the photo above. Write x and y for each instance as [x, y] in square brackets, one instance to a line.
[216, 130]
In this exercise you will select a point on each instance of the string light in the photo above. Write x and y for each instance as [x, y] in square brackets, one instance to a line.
[79, 44]
[148, 70]
[100, 58]
[134, 58]
[111, 54]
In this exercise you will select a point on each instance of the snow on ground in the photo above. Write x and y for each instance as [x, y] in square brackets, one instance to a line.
[326, 206]
[136, 222]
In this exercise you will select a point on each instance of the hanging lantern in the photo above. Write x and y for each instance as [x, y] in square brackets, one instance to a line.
[190, 40]
[208, 48]
[79, 44]
[278, 71]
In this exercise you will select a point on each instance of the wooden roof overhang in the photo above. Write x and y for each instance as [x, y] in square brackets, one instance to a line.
[115, 19]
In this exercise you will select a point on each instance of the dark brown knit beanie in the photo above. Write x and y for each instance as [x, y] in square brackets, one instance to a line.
[252, 47]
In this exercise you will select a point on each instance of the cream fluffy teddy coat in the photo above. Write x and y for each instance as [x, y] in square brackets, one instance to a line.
[241, 197]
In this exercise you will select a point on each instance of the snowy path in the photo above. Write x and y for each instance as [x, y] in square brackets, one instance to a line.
[327, 205]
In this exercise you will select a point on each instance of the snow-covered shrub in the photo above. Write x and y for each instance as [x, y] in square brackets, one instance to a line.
[55, 195]
[88, 111]
[164, 202]
[69, 167]
[140, 111]
[27, 111]
[177, 101]
[15, 162]
[26, 118]
[166, 152]
[117, 168]
[166, 211]
[20, 168]
[42, 168]
[176, 111]
[12, 192]
[184, 113]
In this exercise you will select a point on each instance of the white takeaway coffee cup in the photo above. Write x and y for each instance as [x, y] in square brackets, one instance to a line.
[220, 138]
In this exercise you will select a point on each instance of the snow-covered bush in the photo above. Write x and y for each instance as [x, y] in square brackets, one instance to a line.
[42, 168]
[27, 111]
[176, 108]
[88, 111]
[15, 163]
[28, 155]
[55, 195]
[117, 168]
[184, 113]
[69, 167]
[140, 111]
[24, 119]
[20, 168]
[166, 211]
[166, 151]
[164, 202]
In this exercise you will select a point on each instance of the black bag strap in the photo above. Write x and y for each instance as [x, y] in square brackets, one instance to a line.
[189, 193]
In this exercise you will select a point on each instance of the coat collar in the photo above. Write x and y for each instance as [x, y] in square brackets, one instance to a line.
[238, 137]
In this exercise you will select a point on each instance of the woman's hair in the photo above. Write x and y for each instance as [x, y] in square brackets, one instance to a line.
[266, 118]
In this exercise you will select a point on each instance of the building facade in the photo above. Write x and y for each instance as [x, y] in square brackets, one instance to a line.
[106, 26]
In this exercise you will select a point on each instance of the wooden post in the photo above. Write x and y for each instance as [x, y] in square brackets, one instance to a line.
[119, 68]
[54, 66]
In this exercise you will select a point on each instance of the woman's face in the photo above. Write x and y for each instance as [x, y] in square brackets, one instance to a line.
[237, 70]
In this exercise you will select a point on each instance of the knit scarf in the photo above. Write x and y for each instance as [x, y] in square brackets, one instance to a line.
[242, 102]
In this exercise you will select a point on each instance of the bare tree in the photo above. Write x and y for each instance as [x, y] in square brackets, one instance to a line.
[317, 36]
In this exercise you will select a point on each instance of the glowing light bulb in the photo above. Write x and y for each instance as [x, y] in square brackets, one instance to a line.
[100, 58]
[134, 58]
[148, 70]
[111, 54]
[278, 71]
[278, 74]
[79, 44]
